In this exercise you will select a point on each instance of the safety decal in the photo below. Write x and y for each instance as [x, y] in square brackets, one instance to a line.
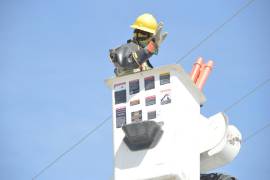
[120, 96]
[134, 87]
[151, 115]
[165, 97]
[149, 82]
[134, 102]
[136, 116]
[120, 86]
[150, 100]
[164, 78]
[120, 117]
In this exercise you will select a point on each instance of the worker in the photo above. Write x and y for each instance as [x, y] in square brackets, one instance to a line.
[134, 55]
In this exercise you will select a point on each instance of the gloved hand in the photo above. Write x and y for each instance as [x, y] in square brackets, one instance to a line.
[157, 39]
[159, 36]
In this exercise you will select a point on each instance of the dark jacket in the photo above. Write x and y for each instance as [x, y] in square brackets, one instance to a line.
[129, 56]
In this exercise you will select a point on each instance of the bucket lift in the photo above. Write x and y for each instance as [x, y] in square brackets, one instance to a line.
[158, 130]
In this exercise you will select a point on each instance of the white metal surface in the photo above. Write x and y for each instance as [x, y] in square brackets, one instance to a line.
[188, 139]
[224, 152]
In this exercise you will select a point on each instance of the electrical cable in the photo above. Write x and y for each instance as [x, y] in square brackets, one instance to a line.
[252, 135]
[246, 95]
[217, 29]
[92, 131]
[227, 109]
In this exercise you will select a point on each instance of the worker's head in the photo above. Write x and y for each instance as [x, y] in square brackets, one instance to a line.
[144, 28]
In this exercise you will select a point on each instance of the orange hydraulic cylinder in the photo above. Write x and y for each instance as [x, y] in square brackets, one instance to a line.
[204, 74]
[196, 69]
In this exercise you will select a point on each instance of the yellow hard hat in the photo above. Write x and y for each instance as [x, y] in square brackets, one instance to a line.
[145, 22]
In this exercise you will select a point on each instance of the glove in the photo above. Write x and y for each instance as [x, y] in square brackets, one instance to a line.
[157, 39]
[159, 36]
[151, 47]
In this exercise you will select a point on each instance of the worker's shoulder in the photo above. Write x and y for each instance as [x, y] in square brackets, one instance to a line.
[130, 41]
[126, 49]
[130, 44]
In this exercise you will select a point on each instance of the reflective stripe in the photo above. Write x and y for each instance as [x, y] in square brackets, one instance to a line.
[135, 57]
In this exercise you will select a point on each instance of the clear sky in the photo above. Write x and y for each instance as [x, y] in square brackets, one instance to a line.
[54, 59]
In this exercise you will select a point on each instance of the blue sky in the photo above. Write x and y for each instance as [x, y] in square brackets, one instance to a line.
[54, 59]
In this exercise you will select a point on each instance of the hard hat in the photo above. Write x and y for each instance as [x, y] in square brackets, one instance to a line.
[145, 22]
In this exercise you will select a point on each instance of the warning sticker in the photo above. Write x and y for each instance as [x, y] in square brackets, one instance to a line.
[136, 116]
[120, 117]
[150, 100]
[134, 102]
[120, 96]
[134, 87]
[149, 82]
[165, 97]
[120, 86]
[164, 78]
[151, 115]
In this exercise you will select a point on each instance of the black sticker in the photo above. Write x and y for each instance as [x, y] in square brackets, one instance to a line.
[151, 100]
[149, 83]
[120, 117]
[120, 96]
[136, 116]
[151, 115]
[164, 78]
[134, 87]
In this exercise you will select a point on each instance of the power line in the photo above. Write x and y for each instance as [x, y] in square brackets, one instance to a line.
[246, 95]
[92, 131]
[217, 29]
[240, 100]
[256, 133]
